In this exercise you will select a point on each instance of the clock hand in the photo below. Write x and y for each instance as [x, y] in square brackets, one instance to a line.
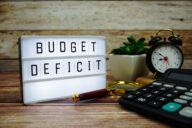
[161, 59]
[161, 54]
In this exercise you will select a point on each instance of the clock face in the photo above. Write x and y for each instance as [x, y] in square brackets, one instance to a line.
[163, 56]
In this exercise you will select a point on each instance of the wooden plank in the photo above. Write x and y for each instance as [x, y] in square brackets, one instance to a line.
[10, 87]
[13, 65]
[129, 15]
[86, 116]
[114, 38]
[10, 95]
[9, 79]
[9, 65]
[89, 0]
[86, 0]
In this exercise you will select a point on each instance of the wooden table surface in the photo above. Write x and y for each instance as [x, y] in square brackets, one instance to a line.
[103, 112]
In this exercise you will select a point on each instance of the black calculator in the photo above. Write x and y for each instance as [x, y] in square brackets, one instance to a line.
[167, 99]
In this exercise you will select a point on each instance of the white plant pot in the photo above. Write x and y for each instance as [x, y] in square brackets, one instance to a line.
[128, 67]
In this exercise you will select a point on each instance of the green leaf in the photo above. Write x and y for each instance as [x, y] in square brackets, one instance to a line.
[123, 51]
[132, 40]
[144, 44]
[132, 47]
[116, 51]
[126, 44]
[141, 40]
[140, 50]
[127, 49]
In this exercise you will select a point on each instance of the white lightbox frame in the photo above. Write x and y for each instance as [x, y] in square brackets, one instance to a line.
[86, 66]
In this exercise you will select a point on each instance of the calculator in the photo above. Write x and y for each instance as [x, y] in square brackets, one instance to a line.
[168, 99]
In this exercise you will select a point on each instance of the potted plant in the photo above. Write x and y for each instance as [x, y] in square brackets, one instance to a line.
[129, 61]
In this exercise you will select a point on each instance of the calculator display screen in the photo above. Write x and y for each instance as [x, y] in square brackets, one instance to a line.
[180, 76]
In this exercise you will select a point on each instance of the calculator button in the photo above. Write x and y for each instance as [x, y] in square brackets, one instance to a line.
[171, 107]
[186, 97]
[191, 104]
[155, 104]
[180, 101]
[156, 92]
[168, 85]
[188, 93]
[176, 91]
[148, 95]
[157, 83]
[141, 100]
[186, 111]
[181, 88]
[190, 90]
[169, 95]
[129, 96]
[138, 93]
[162, 99]
[145, 89]
[163, 89]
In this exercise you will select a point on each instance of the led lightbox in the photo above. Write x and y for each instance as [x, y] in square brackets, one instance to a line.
[56, 67]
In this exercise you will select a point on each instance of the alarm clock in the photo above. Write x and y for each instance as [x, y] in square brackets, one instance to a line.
[164, 54]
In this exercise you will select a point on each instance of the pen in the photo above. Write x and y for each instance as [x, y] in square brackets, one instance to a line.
[92, 94]
[113, 88]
